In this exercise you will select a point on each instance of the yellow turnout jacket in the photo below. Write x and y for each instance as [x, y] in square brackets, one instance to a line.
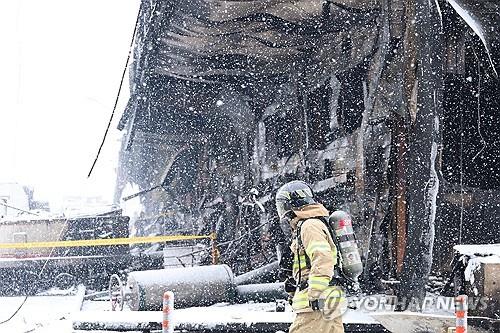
[318, 244]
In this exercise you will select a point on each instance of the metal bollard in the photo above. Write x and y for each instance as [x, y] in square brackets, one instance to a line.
[167, 325]
[461, 305]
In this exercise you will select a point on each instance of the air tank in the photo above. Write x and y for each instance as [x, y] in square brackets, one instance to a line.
[192, 286]
[345, 239]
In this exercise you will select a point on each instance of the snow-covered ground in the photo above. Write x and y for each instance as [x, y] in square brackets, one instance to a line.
[49, 312]
[40, 314]
[55, 311]
[213, 315]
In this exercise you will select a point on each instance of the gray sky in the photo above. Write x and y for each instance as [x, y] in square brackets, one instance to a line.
[61, 62]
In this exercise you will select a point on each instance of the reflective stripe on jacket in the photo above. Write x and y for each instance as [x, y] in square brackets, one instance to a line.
[322, 252]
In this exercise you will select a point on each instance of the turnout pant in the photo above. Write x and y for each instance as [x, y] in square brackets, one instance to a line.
[313, 322]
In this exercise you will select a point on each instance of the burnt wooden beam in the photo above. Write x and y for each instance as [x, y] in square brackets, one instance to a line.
[400, 217]
[362, 139]
[372, 154]
[423, 151]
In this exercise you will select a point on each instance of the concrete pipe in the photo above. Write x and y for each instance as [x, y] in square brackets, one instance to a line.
[192, 286]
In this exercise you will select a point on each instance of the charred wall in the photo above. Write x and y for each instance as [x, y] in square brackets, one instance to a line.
[248, 98]
[469, 203]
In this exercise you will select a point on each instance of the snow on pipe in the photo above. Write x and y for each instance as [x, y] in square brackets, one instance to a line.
[199, 286]
[167, 325]
[461, 313]
[192, 286]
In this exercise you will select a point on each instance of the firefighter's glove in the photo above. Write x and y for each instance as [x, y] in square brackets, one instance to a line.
[290, 288]
[290, 285]
[317, 304]
[284, 273]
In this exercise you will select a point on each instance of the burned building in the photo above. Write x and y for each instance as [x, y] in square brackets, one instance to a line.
[389, 108]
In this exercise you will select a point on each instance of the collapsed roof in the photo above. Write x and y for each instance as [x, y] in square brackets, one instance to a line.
[347, 95]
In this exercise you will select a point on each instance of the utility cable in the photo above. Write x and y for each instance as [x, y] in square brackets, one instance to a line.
[32, 285]
[15, 312]
[18, 209]
[118, 94]
[98, 152]
[95, 160]
[483, 141]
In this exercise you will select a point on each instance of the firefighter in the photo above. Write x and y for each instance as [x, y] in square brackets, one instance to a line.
[317, 302]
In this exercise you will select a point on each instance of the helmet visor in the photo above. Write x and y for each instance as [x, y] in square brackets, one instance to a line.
[282, 207]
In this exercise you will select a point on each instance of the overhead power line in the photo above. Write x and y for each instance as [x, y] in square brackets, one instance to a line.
[118, 94]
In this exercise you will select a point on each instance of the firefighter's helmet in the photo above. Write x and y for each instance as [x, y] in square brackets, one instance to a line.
[293, 195]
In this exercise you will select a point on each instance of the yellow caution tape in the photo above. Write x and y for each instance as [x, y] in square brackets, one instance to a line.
[101, 242]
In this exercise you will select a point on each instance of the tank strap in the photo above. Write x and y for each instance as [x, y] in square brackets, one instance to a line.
[339, 278]
[323, 219]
